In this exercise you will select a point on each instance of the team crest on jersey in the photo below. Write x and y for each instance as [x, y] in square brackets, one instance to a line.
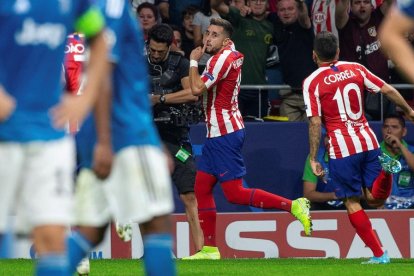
[209, 76]
[372, 31]
[319, 17]
[21, 6]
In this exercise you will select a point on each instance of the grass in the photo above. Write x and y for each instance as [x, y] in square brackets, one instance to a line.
[237, 267]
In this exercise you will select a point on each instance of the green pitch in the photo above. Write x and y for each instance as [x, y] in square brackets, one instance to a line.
[237, 267]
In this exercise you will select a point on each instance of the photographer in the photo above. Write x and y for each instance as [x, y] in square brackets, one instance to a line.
[175, 108]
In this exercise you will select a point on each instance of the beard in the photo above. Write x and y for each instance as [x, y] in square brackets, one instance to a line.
[212, 51]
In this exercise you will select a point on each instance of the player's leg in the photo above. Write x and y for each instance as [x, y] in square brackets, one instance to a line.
[377, 180]
[229, 164]
[92, 215]
[207, 214]
[158, 245]
[48, 197]
[10, 175]
[190, 203]
[140, 187]
[237, 194]
[205, 181]
[360, 221]
[183, 177]
[347, 180]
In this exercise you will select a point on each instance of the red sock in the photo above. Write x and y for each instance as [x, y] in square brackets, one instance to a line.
[363, 227]
[381, 188]
[208, 224]
[237, 194]
[207, 213]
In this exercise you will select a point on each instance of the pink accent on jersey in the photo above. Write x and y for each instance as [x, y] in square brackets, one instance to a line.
[222, 78]
[323, 16]
[336, 93]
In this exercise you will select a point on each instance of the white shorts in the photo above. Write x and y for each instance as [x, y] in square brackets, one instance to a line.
[138, 189]
[36, 183]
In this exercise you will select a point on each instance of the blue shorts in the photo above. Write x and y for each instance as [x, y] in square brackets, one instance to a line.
[348, 175]
[221, 156]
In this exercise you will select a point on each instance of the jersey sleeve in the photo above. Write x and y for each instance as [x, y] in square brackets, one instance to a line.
[311, 98]
[308, 175]
[217, 67]
[372, 83]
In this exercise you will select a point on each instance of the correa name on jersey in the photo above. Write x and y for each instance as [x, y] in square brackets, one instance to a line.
[346, 74]
[52, 35]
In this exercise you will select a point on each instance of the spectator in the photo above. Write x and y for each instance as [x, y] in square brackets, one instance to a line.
[148, 16]
[253, 35]
[398, 24]
[358, 42]
[177, 39]
[202, 20]
[188, 30]
[394, 145]
[239, 4]
[293, 35]
[163, 7]
[317, 189]
[200, 23]
[178, 6]
[323, 16]
[173, 104]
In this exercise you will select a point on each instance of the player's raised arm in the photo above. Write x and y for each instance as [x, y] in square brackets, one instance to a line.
[395, 43]
[392, 94]
[196, 83]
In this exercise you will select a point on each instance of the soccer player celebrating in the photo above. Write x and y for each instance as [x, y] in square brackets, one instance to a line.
[221, 158]
[333, 96]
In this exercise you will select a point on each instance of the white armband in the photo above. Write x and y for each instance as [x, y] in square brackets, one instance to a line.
[193, 63]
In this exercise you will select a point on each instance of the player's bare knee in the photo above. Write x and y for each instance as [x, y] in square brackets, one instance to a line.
[352, 204]
[376, 203]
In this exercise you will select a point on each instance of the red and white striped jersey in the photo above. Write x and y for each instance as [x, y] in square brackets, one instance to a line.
[222, 78]
[75, 56]
[336, 93]
[73, 65]
[323, 16]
